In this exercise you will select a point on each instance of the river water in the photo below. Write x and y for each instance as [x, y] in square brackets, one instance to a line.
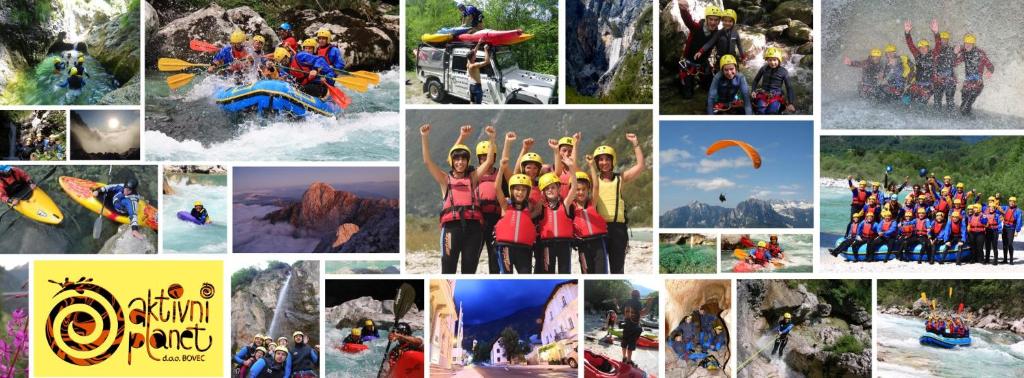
[900, 354]
[39, 86]
[361, 364]
[186, 237]
[799, 250]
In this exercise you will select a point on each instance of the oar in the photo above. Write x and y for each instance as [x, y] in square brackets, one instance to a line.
[179, 80]
[97, 226]
[202, 46]
[372, 77]
[403, 302]
[353, 83]
[338, 96]
[171, 64]
[28, 193]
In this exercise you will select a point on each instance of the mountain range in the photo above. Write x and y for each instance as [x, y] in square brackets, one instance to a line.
[344, 221]
[523, 321]
[749, 213]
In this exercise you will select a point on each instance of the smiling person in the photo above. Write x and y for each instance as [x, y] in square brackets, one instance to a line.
[608, 186]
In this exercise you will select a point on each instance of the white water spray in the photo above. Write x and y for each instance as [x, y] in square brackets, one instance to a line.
[12, 141]
[279, 308]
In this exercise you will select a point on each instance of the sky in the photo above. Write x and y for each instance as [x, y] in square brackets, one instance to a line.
[688, 175]
[263, 178]
[487, 300]
[107, 130]
[646, 285]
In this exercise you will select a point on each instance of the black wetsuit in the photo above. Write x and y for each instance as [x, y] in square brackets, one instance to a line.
[774, 81]
[945, 78]
[974, 61]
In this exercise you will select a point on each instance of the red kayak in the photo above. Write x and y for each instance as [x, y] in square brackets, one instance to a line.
[352, 348]
[494, 37]
[745, 267]
[644, 342]
[600, 366]
[408, 365]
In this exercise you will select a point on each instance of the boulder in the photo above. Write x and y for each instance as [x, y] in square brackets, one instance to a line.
[805, 49]
[345, 232]
[752, 40]
[829, 335]
[775, 32]
[807, 61]
[367, 39]
[800, 34]
[802, 10]
[781, 21]
[750, 14]
[129, 94]
[350, 313]
[124, 243]
[1018, 327]
[150, 18]
[861, 317]
[212, 24]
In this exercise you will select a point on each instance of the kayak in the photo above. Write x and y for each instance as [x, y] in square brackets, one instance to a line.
[436, 38]
[743, 266]
[352, 348]
[80, 190]
[944, 342]
[597, 365]
[274, 96]
[520, 39]
[493, 37]
[408, 365]
[187, 216]
[454, 31]
[369, 338]
[39, 207]
[644, 342]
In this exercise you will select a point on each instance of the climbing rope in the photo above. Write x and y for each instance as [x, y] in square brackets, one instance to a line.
[744, 364]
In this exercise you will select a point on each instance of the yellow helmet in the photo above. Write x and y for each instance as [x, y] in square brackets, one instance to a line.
[281, 348]
[959, 185]
[261, 349]
[970, 38]
[923, 43]
[259, 38]
[876, 53]
[483, 148]
[606, 150]
[773, 52]
[944, 35]
[874, 183]
[583, 176]
[886, 213]
[567, 141]
[787, 316]
[81, 59]
[258, 336]
[237, 36]
[531, 157]
[281, 53]
[297, 333]
[955, 214]
[921, 210]
[457, 147]
[762, 244]
[712, 11]
[1014, 199]
[323, 33]
[357, 331]
[368, 322]
[309, 42]
[991, 198]
[862, 183]
[857, 215]
[519, 179]
[726, 59]
[197, 203]
[546, 180]
[940, 214]
[956, 201]
[890, 48]
[74, 71]
[729, 13]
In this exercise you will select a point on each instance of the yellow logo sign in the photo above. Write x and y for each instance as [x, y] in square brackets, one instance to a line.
[128, 318]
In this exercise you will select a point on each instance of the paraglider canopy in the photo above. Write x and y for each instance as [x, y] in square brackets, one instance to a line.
[755, 157]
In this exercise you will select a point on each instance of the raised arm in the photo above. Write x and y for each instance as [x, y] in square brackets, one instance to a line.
[435, 172]
[510, 137]
[464, 132]
[499, 180]
[489, 161]
[907, 27]
[637, 168]
[568, 200]
[527, 145]
[595, 181]
[558, 165]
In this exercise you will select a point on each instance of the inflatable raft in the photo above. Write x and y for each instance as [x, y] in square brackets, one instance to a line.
[944, 342]
[80, 190]
[274, 96]
[408, 365]
[914, 255]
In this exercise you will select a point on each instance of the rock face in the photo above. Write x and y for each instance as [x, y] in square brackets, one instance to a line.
[685, 297]
[322, 210]
[345, 232]
[127, 94]
[603, 34]
[353, 312]
[124, 243]
[749, 213]
[115, 43]
[368, 39]
[213, 24]
[150, 18]
[253, 305]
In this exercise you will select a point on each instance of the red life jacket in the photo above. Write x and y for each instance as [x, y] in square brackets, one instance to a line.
[954, 228]
[298, 70]
[942, 206]
[536, 196]
[587, 222]
[759, 255]
[556, 223]
[486, 193]
[974, 224]
[861, 197]
[774, 249]
[515, 227]
[322, 52]
[459, 202]
[1010, 216]
[867, 230]
[238, 54]
[291, 44]
[887, 225]
[907, 228]
[993, 223]
[937, 227]
[566, 179]
[921, 227]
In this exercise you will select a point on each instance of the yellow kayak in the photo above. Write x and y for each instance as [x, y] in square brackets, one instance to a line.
[40, 208]
[80, 190]
[521, 38]
[436, 38]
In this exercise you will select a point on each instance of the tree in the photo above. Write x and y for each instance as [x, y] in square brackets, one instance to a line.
[510, 340]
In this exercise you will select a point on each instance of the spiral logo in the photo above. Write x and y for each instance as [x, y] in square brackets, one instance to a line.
[207, 291]
[86, 325]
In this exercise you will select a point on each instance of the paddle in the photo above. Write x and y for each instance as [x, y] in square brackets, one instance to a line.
[202, 46]
[28, 193]
[97, 226]
[171, 64]
[338, 96]
[354, 83]
[403, 302]
[372, 77]
[179, 80]
[742, 255]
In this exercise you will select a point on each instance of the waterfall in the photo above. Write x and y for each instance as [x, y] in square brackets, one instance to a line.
[12, 141]
[278, 309]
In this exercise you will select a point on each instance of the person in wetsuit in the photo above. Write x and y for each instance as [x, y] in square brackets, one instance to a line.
[692, 71]
[976, 66]
[922, 88]
[768, 93]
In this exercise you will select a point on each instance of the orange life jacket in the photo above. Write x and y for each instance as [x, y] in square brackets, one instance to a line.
[937, 227]
[587, 223]
[954, 228]
[993, 223]
[861, 197]
[921, 227]
[486, 193]
[974, 224]
[459, 202]
[1010, 216]
[556, 223]
[907, 228]
[867, 230]
[516, 227]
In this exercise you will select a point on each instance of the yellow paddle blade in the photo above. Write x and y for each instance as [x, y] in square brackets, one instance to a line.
[778, 264]
[171, 64]
[353, 83]
[372, 77]
[740, 254]
[179, 80]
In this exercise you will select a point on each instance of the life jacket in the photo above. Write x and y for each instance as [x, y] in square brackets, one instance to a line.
[486, 193]
[860, 197]
[942, 205]
[459, 203]
[974, 224]
[937, 227]
[536, 196]
[774, 249]
[1010, 216]
[921, 227]
[867, 230]
[761, 255]
[609, 202]
[324, 52]
[907, 228]
[993, 223]
[587, 223]
[954, 229]
[297, 70]
[239, 54]
[887, 225]
[871, 209]
[566, 180]
[556, 224]
[516, 227]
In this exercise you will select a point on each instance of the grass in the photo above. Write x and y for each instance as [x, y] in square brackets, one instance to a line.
[421, 234]
[674, 258]
[847, 344]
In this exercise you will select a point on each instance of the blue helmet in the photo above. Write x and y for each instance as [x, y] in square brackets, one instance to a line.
[286, 26]
[922, 172]
[5, 168]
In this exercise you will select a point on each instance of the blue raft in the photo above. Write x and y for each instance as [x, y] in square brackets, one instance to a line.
[274, 96]
[914, 255]
[944, 342]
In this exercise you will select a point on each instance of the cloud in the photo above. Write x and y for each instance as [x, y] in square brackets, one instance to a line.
[711, 165]
[706, 185]
[673, 155]
[94, 140]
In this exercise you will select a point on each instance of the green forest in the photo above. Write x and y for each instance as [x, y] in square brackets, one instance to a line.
[990, 165]
[1000, 295]
[537, 17]
[603, 294]
[272, 10]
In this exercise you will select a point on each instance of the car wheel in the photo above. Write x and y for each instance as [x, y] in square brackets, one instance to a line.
[435, 91]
